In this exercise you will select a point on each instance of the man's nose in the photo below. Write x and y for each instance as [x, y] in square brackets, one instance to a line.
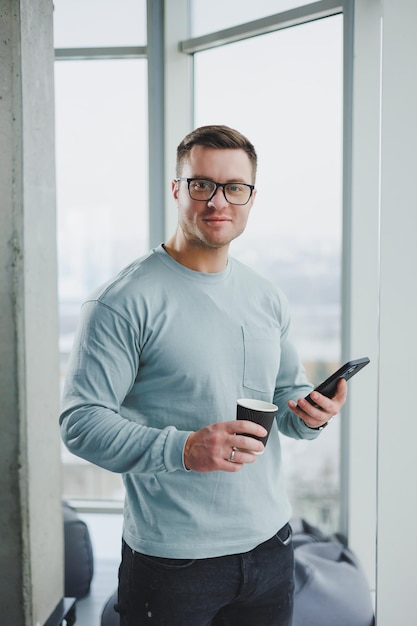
[218, 198]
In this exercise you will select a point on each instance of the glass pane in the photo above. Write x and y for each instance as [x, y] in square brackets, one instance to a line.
[102, 191]
[98, 23]
[284, 91]
[207, 17]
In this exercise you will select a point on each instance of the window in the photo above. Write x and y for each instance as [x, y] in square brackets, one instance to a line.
[284, 91]
[216, 15]
[99, 23]
[102, 179]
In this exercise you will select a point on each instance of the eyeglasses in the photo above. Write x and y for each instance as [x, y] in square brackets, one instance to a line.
[204, 190]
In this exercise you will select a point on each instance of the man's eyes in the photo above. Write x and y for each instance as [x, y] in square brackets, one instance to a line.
[201, 184]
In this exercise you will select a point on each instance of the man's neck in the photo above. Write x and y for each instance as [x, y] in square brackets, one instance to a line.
[197, 258]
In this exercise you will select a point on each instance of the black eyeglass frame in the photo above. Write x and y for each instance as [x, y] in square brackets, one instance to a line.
[217, 185]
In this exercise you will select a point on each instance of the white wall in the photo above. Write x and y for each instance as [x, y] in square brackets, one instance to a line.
[383, 463]
[363, 304]
[397, 460]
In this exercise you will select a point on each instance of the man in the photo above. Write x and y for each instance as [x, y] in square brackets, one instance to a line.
[163, 352]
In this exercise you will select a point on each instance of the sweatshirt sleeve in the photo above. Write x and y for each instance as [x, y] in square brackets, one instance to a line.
[291, 384]
[103, 366]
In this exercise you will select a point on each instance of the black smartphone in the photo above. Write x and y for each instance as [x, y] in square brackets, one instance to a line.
[329, 386]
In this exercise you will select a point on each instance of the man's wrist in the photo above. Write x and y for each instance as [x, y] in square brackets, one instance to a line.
[186, 452]
[321, 427]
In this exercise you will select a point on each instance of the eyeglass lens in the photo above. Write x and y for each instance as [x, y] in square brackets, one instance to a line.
[235, 193]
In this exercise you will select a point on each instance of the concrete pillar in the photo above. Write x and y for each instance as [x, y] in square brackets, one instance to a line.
[31, 541]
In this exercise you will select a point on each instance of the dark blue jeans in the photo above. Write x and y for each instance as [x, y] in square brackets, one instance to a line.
[255, 588]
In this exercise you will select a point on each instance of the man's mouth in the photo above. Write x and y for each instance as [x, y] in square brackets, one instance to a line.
[216, 219]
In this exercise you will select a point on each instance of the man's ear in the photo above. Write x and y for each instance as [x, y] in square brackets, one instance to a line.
[175, 189]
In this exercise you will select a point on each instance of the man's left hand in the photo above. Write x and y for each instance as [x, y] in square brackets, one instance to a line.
[326, 409]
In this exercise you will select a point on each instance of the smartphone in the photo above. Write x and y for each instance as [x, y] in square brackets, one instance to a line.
[329, 386]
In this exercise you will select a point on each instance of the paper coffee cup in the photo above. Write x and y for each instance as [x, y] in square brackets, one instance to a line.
[258, 411]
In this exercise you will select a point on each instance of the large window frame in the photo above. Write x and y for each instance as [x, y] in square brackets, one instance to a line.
[169, 54]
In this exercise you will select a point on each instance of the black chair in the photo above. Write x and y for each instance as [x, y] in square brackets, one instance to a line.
[79, 560]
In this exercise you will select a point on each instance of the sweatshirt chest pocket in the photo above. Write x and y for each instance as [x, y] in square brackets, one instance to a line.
[262, 356]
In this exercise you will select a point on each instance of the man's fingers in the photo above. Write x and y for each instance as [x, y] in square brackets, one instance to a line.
[246, 426]
[220, 445]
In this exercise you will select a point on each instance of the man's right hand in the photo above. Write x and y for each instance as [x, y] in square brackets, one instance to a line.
[210, 448]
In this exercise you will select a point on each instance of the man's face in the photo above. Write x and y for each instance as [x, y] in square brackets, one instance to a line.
[215, 223]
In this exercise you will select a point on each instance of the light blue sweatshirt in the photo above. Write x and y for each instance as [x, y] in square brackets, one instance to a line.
[162, 351]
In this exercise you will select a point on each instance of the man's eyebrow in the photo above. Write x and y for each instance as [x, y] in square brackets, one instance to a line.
[231, 180]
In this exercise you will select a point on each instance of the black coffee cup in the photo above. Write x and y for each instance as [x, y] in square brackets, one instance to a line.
[258, 411]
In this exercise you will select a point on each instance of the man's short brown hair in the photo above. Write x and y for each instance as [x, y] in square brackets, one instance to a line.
[219, 137]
